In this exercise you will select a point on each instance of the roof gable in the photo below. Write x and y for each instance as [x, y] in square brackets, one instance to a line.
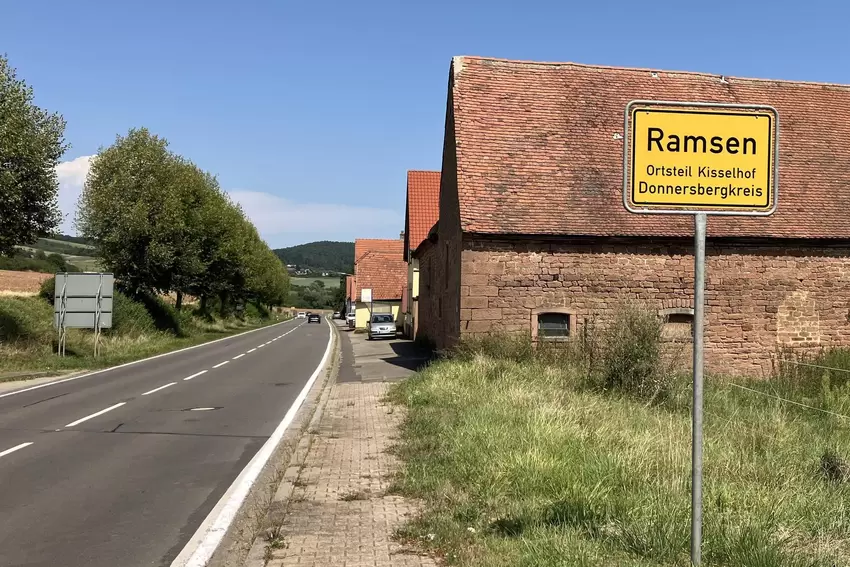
[385, 273]
[364, 245]
[538, 150]
[423, 207]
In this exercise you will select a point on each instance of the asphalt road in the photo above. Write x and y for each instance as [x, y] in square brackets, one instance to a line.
[129, 486]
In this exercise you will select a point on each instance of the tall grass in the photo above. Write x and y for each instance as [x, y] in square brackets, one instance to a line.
[28, 340]
[526, 460]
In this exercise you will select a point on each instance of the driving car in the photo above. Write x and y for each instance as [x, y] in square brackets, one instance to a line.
[382, 325]
[314, 318]
[301, 315]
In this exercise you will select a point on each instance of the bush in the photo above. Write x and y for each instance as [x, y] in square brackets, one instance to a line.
[130, 317]
[25, 319]
[47, 290]
[164, 315]
[40, 263]
[627, 355]
[256, 311]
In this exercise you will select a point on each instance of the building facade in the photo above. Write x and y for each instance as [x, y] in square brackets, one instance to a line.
[533, 236]
[380, 267]
[421, 212]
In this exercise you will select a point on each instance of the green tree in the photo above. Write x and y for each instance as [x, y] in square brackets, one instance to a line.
[161, 224]
[31, 143]
[132, 207]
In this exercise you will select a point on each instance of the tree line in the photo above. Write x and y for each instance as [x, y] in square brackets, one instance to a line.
[161, 224]
[156, 220]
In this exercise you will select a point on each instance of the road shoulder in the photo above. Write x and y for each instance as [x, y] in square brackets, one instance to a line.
[332, 506]
[264, 499]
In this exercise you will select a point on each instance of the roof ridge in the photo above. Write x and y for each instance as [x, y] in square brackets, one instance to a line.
[461, 58]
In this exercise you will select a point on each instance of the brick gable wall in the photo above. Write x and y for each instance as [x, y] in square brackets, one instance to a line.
[758, 297]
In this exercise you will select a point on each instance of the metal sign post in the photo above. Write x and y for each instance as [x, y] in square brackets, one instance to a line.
[696, 430]
[697, 159]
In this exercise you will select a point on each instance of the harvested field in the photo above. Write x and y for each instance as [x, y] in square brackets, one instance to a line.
[21, 283]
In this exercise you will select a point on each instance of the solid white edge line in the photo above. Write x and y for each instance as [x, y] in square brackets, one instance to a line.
[207, 538]
[102, 370]
[220, 364]
[195, 375]
[158, 389]
[252, 350]
[238, 356]
[101, 412]
[15, 448]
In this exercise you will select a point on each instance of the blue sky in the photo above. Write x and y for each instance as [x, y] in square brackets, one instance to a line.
[311, 112]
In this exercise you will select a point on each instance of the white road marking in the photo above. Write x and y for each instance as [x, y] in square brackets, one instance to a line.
[252, 350]
[101, 412]
[220, 364]
[69, 379]
[207, 538]
[195, 375]
[238, 356]
[202, 409]
[261, 346]
[158, 389]
[15, 448]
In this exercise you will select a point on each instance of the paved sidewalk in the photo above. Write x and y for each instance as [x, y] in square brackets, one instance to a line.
[338, 513]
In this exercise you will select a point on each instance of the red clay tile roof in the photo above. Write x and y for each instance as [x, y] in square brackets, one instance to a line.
[537, 154]
[365, 245]
[384, 272]
[423, 206]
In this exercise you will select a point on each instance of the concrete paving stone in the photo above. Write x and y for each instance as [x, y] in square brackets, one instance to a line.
[348, 459]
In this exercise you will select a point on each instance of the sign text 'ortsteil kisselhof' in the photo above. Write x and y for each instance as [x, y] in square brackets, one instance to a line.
[683, 158]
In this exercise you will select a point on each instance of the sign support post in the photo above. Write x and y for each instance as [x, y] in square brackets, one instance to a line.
[696, 431]
[699, 158]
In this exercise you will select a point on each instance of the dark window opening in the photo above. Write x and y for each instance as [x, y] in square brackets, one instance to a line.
[685, 318]
[553, 325]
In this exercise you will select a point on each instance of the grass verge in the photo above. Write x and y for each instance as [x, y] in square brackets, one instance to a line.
[28, 339]
[523, 463]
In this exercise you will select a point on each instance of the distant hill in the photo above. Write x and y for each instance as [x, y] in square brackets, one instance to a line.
[68, 238]
[323, 256]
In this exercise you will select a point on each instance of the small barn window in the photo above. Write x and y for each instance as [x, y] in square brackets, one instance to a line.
[678, 323]
[686, 318]
[552, 324]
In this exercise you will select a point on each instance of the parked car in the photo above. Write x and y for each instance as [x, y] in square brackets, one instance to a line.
[301, 315]
[351, 319]
[336, 315]
[314, 318]
[382, 325]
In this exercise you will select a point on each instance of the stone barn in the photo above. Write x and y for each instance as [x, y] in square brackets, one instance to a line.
[533, 235]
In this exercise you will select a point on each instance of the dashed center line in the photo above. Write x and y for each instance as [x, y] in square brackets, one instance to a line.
[220, 364]
[15, 448]
[252, 350]
[101, 412]
[158, 389]
[238, 356]
[195, 375]
[261, 346]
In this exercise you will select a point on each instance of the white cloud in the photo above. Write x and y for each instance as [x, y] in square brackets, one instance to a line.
[280, 221]
[283, 222]
[72, 177]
